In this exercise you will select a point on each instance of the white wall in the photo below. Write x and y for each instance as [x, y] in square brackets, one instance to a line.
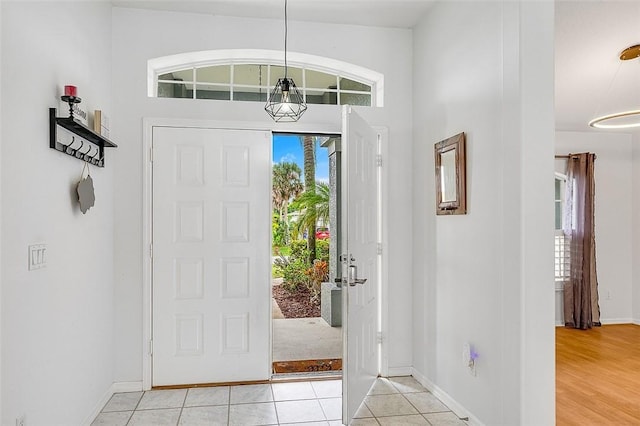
[486, 68]
[1, 139]
[635, 226]
[384, 50]
[57, 322]
[614, 216]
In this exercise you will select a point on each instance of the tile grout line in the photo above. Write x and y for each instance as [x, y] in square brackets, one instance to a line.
[229, 407]
[406, 399]
[417, 409]
[273, 399]
[184, 401]
[318, 399]
[393, 386]
[323, 412]
[369, 408]
[136, 407]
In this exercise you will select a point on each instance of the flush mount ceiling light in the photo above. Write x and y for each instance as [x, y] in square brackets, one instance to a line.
[285, 102]
[624, 119]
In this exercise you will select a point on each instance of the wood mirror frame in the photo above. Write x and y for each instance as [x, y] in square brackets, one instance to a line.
[451, 181]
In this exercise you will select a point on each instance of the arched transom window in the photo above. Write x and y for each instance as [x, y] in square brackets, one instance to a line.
[249, 75]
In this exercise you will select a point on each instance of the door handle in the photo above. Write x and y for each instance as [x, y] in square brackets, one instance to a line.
[353, 276]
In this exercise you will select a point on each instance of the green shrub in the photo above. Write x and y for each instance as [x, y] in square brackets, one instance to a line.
[316, 275]
[278, 230]
[276, 272]
[299, 249]
[295, 274]
[294, 267]
[322, 250]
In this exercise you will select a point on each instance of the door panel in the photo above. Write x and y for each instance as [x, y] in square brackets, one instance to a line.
[211, 264]
[360, 259]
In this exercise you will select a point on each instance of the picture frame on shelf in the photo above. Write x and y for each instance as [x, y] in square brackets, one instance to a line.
[101, 123]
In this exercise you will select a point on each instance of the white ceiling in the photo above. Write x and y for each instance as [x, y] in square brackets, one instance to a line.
[589, 37]
[382, 13]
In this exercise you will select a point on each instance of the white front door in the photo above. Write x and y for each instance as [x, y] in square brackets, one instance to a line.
[211, 255]
[360, 260]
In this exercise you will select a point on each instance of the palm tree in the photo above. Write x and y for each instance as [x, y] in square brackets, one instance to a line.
[309, 149]
[313, 207]
[286, 186]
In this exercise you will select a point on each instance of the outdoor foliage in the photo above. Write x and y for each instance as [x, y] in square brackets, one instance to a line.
[286, 185]
[294, 266]
[300, 262]
[294, 274]
[309, 150]
[298, 249]
[297, 271]
[316, 275]
[313, 206]
[322, 250]
[279, 231]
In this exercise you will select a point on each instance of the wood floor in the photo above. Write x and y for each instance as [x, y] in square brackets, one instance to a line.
[598, 376]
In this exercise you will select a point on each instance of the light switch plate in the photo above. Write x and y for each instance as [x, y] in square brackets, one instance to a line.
[37, 256]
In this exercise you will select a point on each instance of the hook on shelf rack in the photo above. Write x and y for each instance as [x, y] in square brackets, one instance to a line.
[81, 131]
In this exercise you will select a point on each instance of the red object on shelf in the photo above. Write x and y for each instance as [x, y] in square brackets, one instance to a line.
[70, 91]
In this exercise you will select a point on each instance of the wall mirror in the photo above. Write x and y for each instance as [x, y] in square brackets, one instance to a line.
[451, 185]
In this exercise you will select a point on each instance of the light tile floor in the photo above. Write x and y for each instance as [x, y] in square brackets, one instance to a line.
[393, 401]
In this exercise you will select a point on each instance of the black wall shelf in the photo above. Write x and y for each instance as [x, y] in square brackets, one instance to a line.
[78, 148]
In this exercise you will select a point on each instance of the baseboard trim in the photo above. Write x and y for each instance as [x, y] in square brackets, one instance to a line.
[98, 407]
[609, 321]
[399, 371]
[127, 387]
[114, 388]
[456, 407]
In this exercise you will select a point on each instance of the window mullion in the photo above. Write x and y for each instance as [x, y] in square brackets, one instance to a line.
[195, 82]
[268, 80]
[232, 70]
[304, 84]
[314, 78]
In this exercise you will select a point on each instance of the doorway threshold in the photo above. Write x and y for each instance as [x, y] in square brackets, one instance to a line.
[306, 376]
[307, 366]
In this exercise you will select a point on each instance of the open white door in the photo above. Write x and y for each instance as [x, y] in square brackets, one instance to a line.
[359, 258]
[211, 263]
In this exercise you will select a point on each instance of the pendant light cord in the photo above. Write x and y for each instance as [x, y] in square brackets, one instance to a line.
[285, 39]
[599, 105]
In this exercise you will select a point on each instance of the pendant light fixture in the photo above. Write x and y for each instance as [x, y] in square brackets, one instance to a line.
[624, 119]
[285, 102]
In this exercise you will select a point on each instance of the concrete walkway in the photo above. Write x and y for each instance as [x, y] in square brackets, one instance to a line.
[305, 338]
[297, 339]
[276, 311]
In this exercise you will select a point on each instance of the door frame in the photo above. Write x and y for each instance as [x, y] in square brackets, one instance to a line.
[148, 124]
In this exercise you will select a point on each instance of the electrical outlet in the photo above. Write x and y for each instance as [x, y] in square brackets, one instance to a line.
[469, 357]
[22, 420]
[466, 354]
[472, 367]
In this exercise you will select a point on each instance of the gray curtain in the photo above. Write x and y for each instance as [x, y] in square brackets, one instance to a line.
[581, 309]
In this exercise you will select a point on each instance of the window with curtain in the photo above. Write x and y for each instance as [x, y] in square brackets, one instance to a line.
[581, 307]
[561, 243]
